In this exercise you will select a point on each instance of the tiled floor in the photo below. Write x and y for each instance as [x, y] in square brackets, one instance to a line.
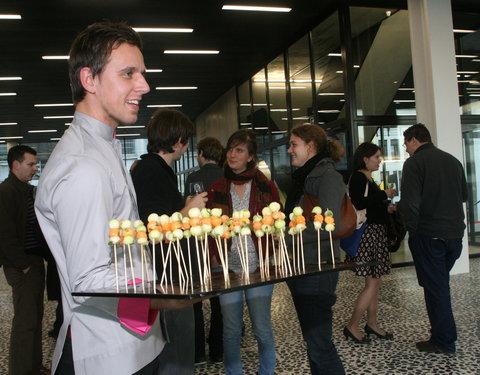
[402, 312]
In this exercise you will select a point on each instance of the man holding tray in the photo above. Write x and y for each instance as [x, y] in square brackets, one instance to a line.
[83, 186]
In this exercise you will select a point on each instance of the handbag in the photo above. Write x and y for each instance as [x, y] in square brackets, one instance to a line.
[347, 219]
[350, 244]
[396, 231]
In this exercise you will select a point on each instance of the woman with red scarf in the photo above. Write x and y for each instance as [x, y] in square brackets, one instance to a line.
[245, 187]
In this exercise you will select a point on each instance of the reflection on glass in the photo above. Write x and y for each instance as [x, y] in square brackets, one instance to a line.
[467, 49]
[259, 118]
[278, 96]
[301, 82]
[383, 79]
[245, 109]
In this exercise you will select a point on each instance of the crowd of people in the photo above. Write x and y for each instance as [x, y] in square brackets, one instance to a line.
[84, 184]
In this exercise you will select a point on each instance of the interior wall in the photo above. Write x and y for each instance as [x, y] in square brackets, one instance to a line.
[220, 120]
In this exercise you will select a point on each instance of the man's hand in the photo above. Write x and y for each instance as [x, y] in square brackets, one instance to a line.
[25, 271]
[197, 201]
[174, 304]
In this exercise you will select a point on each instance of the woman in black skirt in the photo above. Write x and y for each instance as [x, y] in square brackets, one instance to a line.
[373, 244]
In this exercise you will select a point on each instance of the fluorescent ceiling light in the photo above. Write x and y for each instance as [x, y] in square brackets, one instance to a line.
[43, 131]
[12, 137]
[279, 132]
[245, 123]
[57, 57]
[335, 54]
[128, 135]
[463, 31]
[8, 93]
[191, 52]
[8, 123]
[153, 70]
[256, 8]
[279, 80]
[406, 89]
[54, 105]
[162, 30]
[283, 109]
[467, 72]
[131, 127]
[261, 128]
[54, 139]
[257, 104]
[10, 17]
[404, 101]
[339, 72]
[328, 111]
[164, 105]
[55, 117]
[10, 78]
[474, 94]
[297, 118]
[68, 123]
[466, 56]
[2, 141]
[176, 88]
[331, 93]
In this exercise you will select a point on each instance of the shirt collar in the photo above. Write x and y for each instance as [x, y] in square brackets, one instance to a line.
[93, 126]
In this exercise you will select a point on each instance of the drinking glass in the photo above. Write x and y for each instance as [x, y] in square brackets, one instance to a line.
[195, 188]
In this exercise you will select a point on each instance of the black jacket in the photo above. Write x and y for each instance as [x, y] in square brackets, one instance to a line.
[433, 191]
[156, 187]
[13, 216]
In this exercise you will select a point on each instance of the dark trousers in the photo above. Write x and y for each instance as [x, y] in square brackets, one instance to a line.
[177, 356]
[434, 258]
[215, 342]
[25, 354]
[65, 366]
[314, 297]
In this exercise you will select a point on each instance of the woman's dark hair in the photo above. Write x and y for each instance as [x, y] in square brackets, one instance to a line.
[418, 131]
[165, 128]
[365, 150]
[245, 137]
[318, 136]
[211, 149]
[92, 49]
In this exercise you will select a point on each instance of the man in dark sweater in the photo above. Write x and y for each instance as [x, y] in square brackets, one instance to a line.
[210, 157]
[21, 252]
[433, 191]
[168, 132]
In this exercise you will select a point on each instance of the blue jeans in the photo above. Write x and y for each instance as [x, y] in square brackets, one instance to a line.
[434, 258]
[314, 297]
[259, 301]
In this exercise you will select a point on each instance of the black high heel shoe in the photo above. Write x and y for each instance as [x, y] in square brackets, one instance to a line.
[386, 336]
[349, 334]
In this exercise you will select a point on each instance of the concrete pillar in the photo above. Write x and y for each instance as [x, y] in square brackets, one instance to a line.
[435, 76]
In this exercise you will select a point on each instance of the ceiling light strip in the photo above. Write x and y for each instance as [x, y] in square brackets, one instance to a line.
[153, 70]
[256, 8]
[190, 52]
[8, 123]
[55, 117]
[164, 105]
[10, 78]
[131, 127]
[12, 137]
[162, 30]
[54, 105]
[55, 57]
[8, 93]
[10, 17]
[43, 131]
[176, 88]
[128, 135]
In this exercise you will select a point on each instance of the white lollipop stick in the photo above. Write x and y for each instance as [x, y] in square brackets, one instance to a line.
[154, 268]
[199, 266]
[319, 252]
[302, 251]
[131, 268]
[260, 257]
[125, 268]
[143, 271]
[116, 266]
[189, 262]
[331, 248]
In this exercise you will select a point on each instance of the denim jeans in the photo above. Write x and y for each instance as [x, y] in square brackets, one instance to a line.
[314, 297]
[434, 258]
[259, 301]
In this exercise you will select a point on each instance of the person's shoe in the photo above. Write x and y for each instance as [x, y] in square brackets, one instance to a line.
[386, 336]
[348, 334]
[53, 333]
[428, 347]
[200, 361]
[216, 358]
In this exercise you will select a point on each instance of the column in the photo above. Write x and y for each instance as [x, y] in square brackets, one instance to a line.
[435, 76]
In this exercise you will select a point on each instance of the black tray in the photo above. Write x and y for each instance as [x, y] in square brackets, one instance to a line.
[218, 285]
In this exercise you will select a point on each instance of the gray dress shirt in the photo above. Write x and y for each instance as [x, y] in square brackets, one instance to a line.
[84, 185]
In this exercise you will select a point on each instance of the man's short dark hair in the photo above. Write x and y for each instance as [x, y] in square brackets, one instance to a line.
[418, 131]
[18, 153]
[165, 128]
[92, 49]
[211, 149]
